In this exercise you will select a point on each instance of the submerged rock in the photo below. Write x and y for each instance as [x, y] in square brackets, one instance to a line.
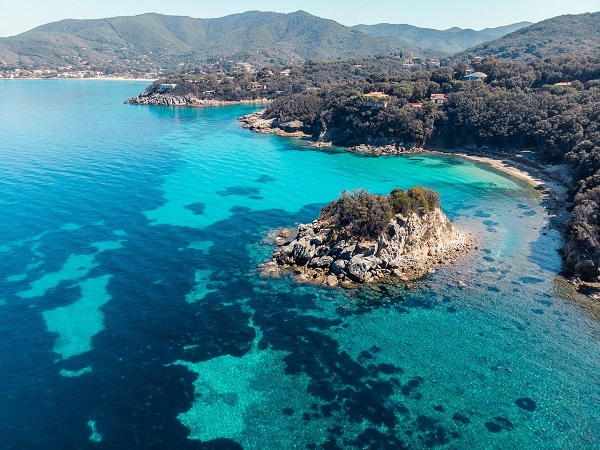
[526, 403]
[409, 245]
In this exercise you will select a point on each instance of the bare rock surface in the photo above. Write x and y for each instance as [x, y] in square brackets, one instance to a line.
[410, 247]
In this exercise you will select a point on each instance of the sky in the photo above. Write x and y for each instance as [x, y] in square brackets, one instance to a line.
[23, 15]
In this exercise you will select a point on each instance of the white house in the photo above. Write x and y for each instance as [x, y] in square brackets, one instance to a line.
[475, 76]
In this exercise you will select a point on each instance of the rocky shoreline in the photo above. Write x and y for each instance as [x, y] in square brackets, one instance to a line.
[295, 128]
[255, 122]
[410, 247]
[553, 181]
[185, 100]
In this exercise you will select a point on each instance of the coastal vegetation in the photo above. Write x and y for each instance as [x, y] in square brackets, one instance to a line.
[364, 237]
[232, 81]
[366, 215]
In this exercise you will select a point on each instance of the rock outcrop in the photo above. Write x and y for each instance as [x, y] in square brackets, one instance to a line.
[385, 150]
[167, 99]
[257, 123]
[409, 247]
[296, 128]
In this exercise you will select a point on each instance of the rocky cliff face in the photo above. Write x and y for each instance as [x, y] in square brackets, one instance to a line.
[410, 247]
[181, 100]
[257, 123]
[295, 128]
[579, 262]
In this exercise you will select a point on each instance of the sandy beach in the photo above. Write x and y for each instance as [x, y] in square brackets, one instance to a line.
[535, 175]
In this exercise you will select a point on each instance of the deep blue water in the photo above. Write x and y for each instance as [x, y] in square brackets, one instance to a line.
[132, 316]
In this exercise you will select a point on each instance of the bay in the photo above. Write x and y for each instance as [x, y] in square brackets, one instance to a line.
[132, 314]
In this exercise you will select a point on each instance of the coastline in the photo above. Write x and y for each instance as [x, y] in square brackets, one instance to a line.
[554, 188]
[188, 101]
[530, 172]
[553, 182]
[584, 293]
[150, 80]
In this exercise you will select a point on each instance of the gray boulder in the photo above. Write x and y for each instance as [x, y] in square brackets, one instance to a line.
[359, 268]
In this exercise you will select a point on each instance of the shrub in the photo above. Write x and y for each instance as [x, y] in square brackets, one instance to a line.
[361, 213]
[424, 199]
[367, 215]
[400, 201]
[303, 107]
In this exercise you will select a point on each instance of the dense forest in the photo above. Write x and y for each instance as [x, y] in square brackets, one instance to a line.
[230, 81]
[551, 107]
[563, 35]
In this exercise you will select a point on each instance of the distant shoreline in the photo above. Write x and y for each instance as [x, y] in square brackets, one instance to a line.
[149, 80]
[188, 101]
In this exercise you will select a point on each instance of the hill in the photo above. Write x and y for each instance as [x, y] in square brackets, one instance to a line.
[562, 35]
[450, 41]
[150, 41]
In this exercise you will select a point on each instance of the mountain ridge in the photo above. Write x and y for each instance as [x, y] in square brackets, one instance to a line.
[561, 35]
[452, 40]
[152, 40]
[151, 44]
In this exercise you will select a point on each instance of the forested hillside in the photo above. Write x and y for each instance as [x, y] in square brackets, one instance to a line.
[449, 41]
[154, 40]
[151, 44]
[563, 35]
[228, 83]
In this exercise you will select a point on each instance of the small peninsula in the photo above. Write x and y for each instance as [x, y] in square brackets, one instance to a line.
[363, 238]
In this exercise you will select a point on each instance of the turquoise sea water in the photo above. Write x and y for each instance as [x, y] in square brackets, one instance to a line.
[132, 316]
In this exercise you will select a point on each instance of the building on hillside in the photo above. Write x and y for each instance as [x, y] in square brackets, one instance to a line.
[376, 94]
[375, 105]
[475, 76]
[168, 86]
[439, 99]
[375, 100]
[564, 83]
[415, 105]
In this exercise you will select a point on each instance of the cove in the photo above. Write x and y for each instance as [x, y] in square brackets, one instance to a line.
[139, 229]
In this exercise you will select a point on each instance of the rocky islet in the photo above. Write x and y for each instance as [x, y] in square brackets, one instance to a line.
[411, 245]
